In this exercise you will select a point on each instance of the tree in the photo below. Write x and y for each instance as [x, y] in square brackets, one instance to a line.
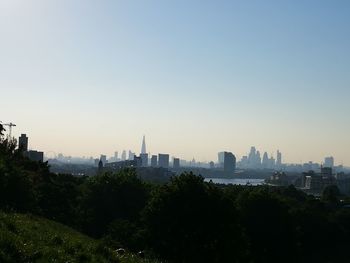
[189, 220]
[268, 226]
[16, 186]
[331, 194]
[2, 129]
[111, 196]
[57, 196]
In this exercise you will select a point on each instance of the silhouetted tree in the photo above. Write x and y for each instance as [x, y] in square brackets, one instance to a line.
[185, 220]
[268, 226]
[57, 197]
[125, 234]
[317, 235]
[108, 197]
[16, 189]
[189, 220]
[1, 130]
[331, 194]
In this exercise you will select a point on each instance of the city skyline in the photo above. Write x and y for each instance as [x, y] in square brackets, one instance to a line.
[196, 77]
[264, 159]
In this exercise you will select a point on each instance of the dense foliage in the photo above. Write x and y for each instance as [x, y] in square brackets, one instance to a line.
[185, 220]
[189, 220]
[28, 238]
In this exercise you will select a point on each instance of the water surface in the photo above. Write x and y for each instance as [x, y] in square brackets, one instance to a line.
[236, 181]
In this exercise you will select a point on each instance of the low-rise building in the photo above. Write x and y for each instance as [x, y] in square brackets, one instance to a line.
[34, 155]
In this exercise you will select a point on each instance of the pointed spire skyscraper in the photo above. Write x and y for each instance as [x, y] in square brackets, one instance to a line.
[143, 148]
[144, 155]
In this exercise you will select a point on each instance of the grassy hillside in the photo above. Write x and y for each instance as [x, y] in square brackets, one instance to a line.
[27, 238]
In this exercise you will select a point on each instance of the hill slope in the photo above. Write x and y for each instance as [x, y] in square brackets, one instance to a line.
[27, 238]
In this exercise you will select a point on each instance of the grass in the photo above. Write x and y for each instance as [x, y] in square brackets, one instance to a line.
[28, 238]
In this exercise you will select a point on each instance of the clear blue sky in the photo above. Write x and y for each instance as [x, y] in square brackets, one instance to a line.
[86, 77]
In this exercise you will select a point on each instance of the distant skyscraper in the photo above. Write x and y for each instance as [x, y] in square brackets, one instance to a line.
[176, 163]
[143, 147]
[131, 155]
[244, 162]
[265, 160]
[103, 158]
[193, 162]
[252, 156]
[100, 165]
[144, 159]
[221, 157]
[123, 155]
[229, 163]
[23, 142]
[329, 162]
[116, 156]
[272, 162]
[279, 159]
[138, 161]
[254, 159]
[258, 160]
[154, 161]
[163, 160]
[33, 155]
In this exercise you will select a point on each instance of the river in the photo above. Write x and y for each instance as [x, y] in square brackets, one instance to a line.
[236, 181]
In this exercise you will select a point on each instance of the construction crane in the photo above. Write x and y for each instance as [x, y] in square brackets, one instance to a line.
[10, 125]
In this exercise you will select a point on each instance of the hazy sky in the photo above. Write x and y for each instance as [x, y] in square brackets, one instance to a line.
[86, 77]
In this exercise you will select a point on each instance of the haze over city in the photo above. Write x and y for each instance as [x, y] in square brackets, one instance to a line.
[184, 131]
[196, 77]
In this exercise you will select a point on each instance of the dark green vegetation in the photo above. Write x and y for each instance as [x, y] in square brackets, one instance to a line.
[185, 220]
[27, 238]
